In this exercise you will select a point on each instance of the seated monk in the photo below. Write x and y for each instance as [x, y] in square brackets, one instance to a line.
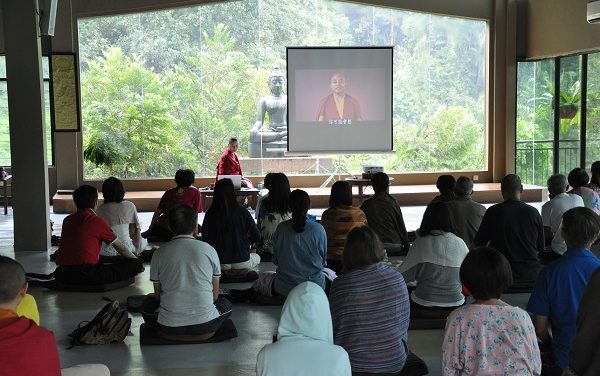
[229, 164]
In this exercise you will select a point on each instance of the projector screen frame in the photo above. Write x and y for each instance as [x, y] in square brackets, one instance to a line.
[388, 111]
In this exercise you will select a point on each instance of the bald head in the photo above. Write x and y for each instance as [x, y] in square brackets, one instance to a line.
[12, 279]
[511, 186]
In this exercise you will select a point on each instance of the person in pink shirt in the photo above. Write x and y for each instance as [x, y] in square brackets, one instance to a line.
[488, 336]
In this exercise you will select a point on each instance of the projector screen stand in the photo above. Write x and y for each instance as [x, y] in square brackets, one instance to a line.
[338, 170]
[318, 167]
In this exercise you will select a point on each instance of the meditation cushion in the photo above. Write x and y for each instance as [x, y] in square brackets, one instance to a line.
[238, 275]
[61, 286]
[425, 323]
[149, 335]
[414, 366]
[270, 300]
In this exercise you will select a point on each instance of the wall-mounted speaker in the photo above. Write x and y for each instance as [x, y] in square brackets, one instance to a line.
[47, 10]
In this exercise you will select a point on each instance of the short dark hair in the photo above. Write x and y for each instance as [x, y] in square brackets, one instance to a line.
[557, 184]
[445, 183]
[437, 216]
[184, 177]
[486, 273]
[511, 183]
[183, 220]
[362, 248]
[580, 227]
[464, 186]
[380, 182]
[578, 177]
[85, 197]
[233, 140]
[12, 278]
[113, 190]
[341, 194]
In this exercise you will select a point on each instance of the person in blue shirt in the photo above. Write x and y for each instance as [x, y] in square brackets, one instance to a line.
[559, 287]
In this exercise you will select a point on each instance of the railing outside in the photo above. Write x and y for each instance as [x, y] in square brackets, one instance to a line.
[534, 159]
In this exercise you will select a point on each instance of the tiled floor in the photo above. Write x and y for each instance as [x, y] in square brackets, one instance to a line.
[62, 311]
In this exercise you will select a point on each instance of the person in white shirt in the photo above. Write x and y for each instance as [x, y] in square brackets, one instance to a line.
[304, 338]
[553, 210]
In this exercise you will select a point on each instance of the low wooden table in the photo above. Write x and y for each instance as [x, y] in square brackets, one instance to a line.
[5, 181]
[251, 193]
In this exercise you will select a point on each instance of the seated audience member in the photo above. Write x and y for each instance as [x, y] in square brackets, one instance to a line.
[184, 194]
[262, 196]
[578, 180]
[584, 357]
[433, 262]
[370, 307]
[595, 180]
[338, 220]
[230, 229]
[516, 230]
[274, 209]
[81, 240]
[489, 336]
[466, 213]
[299, 249]
[560, 285]
[185, 273]
[25, 347]
[384, 214]
[552, 211]
[304, 338]
[121, 216]
[229, 163]
[445, 185]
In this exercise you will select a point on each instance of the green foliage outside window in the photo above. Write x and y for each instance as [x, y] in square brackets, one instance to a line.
[166, 89]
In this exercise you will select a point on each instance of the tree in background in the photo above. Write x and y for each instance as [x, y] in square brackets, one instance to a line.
[213, 98]
[129, 131]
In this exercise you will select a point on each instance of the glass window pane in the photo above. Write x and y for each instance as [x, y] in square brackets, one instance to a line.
[184, 80]
[4, 131]
[570, 114]
[45, 68]
[593, 110]
[5, 159]
[535, 121]
[2, 67]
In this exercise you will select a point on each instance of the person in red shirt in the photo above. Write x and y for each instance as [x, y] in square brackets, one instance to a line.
[25, 347]
[229, 164]
[78, 255]
[184, 194]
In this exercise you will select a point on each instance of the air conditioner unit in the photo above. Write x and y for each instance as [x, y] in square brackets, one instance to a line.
[593, 12]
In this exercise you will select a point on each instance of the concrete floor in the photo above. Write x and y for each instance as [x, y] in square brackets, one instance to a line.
[62, 311]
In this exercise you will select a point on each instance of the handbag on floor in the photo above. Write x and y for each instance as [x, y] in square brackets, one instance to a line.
[110, 325]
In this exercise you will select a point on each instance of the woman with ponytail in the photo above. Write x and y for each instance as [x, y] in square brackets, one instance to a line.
[299, 251]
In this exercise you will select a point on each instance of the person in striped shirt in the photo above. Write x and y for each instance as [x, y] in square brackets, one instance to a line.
[338, 220]
[370, 307]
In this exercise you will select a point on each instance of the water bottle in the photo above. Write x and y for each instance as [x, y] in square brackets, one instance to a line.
[259, 186]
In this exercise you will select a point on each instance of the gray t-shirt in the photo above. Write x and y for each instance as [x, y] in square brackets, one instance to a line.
[185, 268]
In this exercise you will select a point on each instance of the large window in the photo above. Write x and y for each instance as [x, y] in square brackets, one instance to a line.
[166, 89]
[557, 135]
[4, 123]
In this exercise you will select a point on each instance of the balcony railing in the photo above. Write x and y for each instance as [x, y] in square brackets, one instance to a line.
[535, 159]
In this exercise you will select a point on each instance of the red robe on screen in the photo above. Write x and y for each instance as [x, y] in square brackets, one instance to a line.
[328, 109]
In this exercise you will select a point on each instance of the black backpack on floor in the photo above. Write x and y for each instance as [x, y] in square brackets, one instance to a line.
[110, 325]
